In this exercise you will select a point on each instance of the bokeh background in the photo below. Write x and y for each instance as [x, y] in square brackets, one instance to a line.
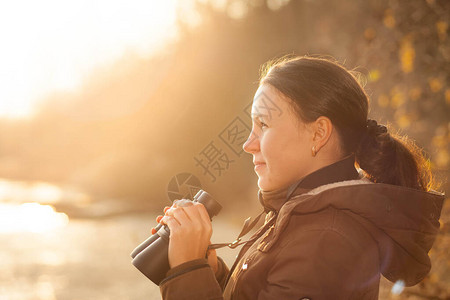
[109, 109]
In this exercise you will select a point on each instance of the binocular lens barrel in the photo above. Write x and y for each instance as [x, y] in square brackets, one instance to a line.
[146, 243]
[151, 256]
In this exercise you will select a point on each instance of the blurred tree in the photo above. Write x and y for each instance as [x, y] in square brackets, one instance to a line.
[137, 123]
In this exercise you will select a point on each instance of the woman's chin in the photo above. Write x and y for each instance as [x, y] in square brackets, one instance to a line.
[260, 184]
[263, 185]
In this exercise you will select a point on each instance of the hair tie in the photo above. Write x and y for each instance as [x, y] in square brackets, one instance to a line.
[374, 128]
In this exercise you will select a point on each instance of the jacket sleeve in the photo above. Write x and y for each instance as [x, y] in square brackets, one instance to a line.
[222, 273]
[315, 264]
[194, 280]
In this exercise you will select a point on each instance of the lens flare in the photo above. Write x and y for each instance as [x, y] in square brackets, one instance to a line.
[398, 287]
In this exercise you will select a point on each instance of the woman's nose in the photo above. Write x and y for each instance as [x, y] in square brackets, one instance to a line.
[251, 145]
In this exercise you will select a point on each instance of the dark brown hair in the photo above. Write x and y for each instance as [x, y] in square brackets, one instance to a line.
[321, 87]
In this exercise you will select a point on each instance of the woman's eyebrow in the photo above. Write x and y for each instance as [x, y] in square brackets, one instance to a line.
[259, 115]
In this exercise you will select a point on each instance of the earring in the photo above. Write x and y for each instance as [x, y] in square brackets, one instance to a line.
[313, 151]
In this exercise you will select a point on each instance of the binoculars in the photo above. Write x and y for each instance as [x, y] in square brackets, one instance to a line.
[151, 256]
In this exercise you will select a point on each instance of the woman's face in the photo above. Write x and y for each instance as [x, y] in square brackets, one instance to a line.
[279, 142]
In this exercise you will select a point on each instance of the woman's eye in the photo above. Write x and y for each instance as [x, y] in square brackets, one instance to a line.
[259, 124]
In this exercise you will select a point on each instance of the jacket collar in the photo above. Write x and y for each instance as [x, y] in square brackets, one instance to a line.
[403, 221]
[341, 170]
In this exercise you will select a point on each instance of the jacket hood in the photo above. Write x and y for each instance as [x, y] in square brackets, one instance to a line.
[403, 221]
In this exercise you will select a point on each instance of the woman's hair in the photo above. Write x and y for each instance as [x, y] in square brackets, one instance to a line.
[321, 87]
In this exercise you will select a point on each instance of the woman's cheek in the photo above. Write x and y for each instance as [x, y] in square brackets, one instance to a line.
[267, 144]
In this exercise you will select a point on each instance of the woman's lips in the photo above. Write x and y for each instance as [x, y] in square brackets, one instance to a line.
[259, 165]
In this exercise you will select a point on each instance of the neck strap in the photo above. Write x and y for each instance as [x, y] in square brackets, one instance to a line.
[248, 225]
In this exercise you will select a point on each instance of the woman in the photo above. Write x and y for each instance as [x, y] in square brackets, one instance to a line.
[330, 231]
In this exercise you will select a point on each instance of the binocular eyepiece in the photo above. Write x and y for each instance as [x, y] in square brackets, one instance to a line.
[151, 256]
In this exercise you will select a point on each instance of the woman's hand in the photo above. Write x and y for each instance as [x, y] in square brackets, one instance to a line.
[190, 232]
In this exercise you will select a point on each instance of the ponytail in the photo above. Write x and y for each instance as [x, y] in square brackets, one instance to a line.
[320, 87]
[392, 159]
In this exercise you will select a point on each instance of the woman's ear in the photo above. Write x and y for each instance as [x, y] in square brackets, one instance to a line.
[322, 129]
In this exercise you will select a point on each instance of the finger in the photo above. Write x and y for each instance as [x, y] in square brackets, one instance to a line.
[204, 216]
[172, 223]
[158, 218]
[193, 214]
[182, 203]
[169, 212]
[211, 252]
[208, 251]
[181, 216]
[166, 208]
[177, 203]
[203, 213]
[172, 210]
[165, 220]
[202, 224]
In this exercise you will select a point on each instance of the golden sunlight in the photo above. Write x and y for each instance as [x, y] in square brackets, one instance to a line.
[30, 217]
[51, 45]
[26, 207]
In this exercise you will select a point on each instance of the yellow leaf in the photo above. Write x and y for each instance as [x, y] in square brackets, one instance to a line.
[441, 28]
[407, 54]
[389, 19]
[435, 84]
[370, 34]
[415, 93]
[397, 98]
[403, 121]
[439, 141]
[374, 75]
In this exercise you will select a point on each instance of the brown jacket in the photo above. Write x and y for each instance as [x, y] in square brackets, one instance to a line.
[331, 242]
